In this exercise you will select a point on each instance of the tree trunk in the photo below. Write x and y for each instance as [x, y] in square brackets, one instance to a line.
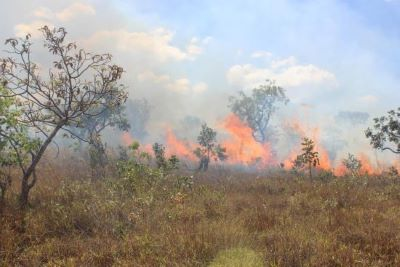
[24, 194]
[310, 169]
[26, 186]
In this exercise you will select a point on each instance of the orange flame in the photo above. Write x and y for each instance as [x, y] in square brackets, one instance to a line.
[314, 134]
[366, 166]
[127, 139]
[178, 147]
[242, 149]
[241, 146]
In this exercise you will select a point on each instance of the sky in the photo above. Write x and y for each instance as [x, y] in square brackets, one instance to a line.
[188, 57]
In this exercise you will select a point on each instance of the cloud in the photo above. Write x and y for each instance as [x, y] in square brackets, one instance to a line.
[193, 48]
[200, 87]
[45, 16]
[155, 44]
[74, 10]
[368, 99]
[286, 72]
[43, 13]
[33, 28]
[290, 61]
[261, 54]
[181, 85]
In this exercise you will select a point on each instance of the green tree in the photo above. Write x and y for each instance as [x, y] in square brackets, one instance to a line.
[78, 84]
[385, 134]
[352, 164]
[15, 144]
[162, 162]
[309, 158]
[209, 148]
[257, 110]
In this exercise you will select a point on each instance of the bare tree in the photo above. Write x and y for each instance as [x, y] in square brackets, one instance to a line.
[257, 110]
[80, 84]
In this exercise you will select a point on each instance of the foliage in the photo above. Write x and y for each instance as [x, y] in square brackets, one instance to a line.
[15, 144]
[138, 178]
[309, 157]
[385, 134]
[352, 164]
[208, 147]
[162, 162]
[257, 110]
[79, 87]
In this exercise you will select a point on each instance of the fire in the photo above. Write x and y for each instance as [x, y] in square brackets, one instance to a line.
[340, 170]
[314, 133]
[366, 166]
[324, 161]
[242, 149]
[126, 138]
[241, 146]
[178, 147]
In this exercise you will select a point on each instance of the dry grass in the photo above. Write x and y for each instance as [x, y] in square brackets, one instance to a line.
[280, 219]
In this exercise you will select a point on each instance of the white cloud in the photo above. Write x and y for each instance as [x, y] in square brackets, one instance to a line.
[45, 16]
[290, 61]
[261, 54]
[286, 72]
[155, 44]
[181, 85]
[200, 87]
[368, 99]
[193, 48]
[74, 10]
[43, 13]
[33, 28]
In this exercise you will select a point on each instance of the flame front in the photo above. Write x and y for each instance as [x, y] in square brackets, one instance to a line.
[241, 147]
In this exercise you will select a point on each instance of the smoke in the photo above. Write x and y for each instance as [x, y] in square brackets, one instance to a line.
[179, 77]
[138, 113]
[352, 117]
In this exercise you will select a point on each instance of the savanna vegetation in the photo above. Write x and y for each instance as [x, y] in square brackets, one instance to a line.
[142, 216]
[95, 205]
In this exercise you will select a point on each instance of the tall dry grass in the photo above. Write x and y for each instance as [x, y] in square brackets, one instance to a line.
[281, 219]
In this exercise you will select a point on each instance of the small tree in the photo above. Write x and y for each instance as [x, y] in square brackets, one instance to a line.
[257, 110]
[15, 144]
[308, 158]
[79, 85]
[161, 160]
[208, 148]
[352, 164]
[385, 134]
